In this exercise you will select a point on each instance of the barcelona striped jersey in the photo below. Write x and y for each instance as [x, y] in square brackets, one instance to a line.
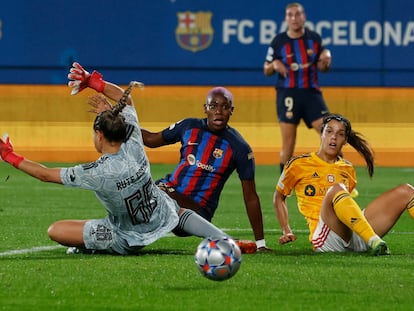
[207, 160]
[300, 57]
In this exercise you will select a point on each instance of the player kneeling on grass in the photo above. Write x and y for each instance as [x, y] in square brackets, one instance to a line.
[138, 212]
[323, 181]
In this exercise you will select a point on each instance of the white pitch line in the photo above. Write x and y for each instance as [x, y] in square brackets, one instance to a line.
[38, 249]
[30, 250]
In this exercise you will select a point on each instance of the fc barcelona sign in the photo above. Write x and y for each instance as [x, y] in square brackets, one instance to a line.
[194, 31]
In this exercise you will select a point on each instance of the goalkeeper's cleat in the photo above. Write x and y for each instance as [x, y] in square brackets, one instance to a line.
[247, 246]
[72, 250]
[78, 250]
[379, 248]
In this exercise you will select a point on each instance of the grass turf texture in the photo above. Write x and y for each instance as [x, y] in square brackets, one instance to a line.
[164, 276]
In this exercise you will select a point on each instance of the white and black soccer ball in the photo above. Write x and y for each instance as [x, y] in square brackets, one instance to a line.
[218, 259]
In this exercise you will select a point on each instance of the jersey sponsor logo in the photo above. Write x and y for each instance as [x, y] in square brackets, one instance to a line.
[310, 191]
[296, 66]
[206, 167]
[190, 143]
[193, 161]
[194, 31]
[218, 153]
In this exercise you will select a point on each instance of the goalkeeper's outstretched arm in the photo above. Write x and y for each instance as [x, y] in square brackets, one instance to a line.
[31, 168]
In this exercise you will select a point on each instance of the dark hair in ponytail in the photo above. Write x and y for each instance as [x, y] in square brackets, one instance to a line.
[111, 122]
[355, 139]
[112, 125]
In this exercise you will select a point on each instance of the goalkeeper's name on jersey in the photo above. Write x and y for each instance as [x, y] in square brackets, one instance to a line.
[126, 182]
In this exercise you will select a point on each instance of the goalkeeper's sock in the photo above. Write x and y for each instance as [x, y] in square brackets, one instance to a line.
[349, 213]
[410, 207]
[193, 224]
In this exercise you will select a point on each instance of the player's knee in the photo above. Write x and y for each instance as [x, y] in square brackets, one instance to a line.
[334, 189]
[406, 190]
[409, 188]
[52, 231]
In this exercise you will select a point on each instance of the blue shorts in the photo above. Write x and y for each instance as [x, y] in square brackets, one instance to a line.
[294, 104]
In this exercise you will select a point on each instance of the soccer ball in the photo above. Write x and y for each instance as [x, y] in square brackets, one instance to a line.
[218, 259]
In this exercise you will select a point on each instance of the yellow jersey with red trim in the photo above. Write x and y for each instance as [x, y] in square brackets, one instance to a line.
[310, 177]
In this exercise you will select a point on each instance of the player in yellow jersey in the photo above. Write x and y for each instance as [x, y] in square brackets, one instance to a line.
[323, 181]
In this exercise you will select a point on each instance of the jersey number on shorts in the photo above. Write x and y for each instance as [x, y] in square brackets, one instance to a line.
[140, 205]
[289, 104]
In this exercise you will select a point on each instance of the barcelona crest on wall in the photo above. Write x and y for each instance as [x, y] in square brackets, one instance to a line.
[194, 31]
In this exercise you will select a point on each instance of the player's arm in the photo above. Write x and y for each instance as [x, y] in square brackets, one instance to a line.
[279, 203]
[276, 66]
[31, 168]
[81, 79]
[254, 211]
[324, 61]
[153, 139]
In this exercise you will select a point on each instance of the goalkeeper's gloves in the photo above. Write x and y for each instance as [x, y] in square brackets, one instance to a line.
[81, 79]
[7, 153]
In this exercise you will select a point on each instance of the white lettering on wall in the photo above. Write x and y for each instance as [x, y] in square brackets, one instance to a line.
[340, 32]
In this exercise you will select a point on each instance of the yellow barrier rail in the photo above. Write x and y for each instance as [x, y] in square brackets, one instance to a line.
[47, 124]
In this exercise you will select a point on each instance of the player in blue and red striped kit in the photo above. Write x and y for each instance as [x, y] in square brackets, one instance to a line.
[296, 56]
[211, 151]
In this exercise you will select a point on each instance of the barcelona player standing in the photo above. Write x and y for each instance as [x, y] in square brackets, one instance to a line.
[296, 56]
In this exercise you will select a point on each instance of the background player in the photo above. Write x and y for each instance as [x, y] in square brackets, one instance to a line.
[296, 56]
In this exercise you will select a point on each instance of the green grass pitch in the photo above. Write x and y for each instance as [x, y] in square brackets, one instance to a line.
[36, 274]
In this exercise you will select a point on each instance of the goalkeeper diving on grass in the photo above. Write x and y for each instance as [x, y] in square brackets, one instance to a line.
[138, 212]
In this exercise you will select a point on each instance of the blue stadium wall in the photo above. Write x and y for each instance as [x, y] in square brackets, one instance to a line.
[199, 42]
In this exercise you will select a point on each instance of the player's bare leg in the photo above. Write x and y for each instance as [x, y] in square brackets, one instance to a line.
[384, 211]
[67, 232]
[288, 132]
[317, 125]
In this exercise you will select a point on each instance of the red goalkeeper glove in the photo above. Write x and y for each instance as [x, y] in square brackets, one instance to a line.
[7, 153]
[82, 79]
